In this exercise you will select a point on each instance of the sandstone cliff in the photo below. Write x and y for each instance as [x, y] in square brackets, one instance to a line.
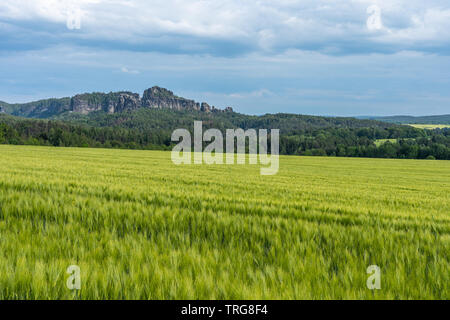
[161, 98]
[113, 102]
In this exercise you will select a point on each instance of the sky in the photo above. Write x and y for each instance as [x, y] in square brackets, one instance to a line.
[321, 57]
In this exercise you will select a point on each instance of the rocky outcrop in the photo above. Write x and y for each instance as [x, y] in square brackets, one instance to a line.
[84, 104]
[205, 107]
[155, 97]
[161, 98]
[124, 101]
[112, 102]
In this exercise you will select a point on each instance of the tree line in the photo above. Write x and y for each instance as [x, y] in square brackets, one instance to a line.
[344, 140]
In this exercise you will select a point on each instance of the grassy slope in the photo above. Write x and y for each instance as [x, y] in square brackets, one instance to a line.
[379, 142]
[141, 227]
[430, 126]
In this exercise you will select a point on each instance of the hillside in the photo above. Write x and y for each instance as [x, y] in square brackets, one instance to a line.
[160, 108]
[38, 109]
[171, 119]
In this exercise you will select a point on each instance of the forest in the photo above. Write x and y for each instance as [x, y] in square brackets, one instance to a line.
[300, 135]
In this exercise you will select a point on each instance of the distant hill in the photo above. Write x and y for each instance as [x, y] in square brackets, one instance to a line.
[160, 109]
[439, 119]
[110, 103]
[38, 109]
[150, 119]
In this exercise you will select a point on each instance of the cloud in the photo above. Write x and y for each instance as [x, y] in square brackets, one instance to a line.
[294, 81]
[126, 70]
[374, 21]
[232, 27]
[308, 56]
[261, 93]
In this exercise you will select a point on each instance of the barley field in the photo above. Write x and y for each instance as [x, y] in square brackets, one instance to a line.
[140, 227]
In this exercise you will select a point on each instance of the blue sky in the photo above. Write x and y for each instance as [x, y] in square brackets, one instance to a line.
[343, 57]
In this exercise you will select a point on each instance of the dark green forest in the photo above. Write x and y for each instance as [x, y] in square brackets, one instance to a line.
[300, 135]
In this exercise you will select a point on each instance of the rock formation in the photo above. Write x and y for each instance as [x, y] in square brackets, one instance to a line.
[205, 107]
[124, 101]
[161, 98]
[113, 102]
[82, 104]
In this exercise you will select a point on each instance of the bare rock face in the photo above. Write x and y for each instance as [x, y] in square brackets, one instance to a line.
[124, 101]
[155, 97]
[112, 102]
[161, 98]
[205, 107]
[84, 104]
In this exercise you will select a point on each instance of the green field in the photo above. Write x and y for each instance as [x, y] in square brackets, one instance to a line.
[140, 227]
[379, 142]
[430, 126]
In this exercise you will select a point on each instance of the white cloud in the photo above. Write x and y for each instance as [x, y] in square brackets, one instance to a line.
[126, 70]
[432, 25]
[293, 81]
[51, 10]
[262, 25]
[261, 93]
[374, 21]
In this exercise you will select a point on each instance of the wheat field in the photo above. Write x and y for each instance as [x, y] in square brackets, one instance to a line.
[140, 227]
